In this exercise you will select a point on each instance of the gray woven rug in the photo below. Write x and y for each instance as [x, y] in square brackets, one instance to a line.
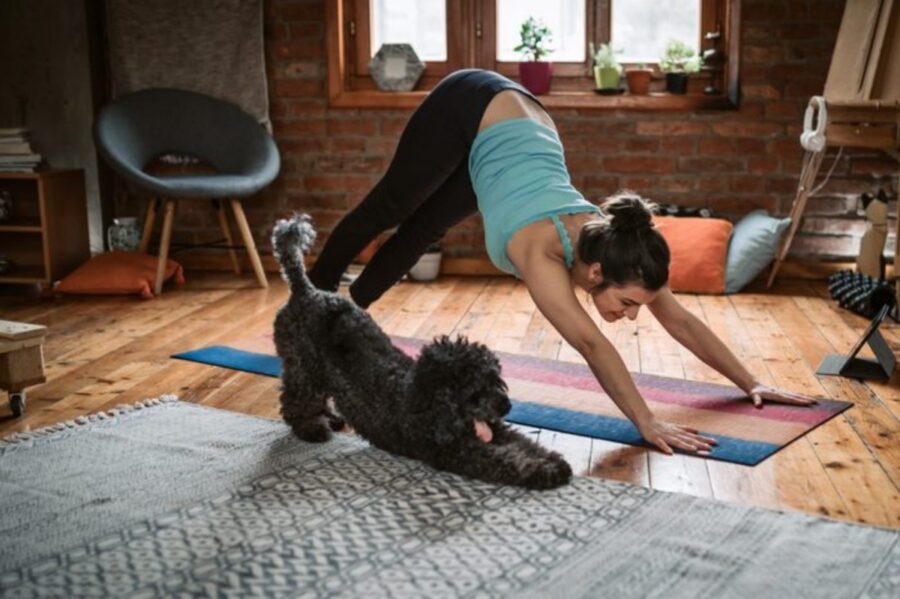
[175, 499]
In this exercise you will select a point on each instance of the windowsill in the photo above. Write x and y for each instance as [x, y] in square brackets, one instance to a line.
[563, 99]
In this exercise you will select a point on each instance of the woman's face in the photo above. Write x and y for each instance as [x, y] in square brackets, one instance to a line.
[616, 302]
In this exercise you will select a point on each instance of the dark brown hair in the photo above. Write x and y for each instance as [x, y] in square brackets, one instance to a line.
[627, 245]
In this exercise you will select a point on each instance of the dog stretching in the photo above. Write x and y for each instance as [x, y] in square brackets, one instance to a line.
[446, 408]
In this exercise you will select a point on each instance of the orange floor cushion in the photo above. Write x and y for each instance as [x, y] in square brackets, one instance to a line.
[699, 248]
[118, 273]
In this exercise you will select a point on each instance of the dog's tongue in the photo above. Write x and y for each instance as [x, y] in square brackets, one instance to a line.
[483, 431]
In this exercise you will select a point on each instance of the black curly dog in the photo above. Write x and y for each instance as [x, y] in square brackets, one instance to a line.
[425, 409]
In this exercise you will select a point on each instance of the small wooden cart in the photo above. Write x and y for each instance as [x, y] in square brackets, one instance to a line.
[21, 360]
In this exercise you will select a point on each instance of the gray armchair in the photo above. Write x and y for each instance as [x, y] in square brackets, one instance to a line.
[136, 128]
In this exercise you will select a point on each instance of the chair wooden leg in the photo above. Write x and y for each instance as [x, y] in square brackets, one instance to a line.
[169, 216]
[148, 226]
[248, 242]
[226, 230]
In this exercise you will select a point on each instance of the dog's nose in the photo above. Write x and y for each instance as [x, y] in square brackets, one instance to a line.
[504, 405]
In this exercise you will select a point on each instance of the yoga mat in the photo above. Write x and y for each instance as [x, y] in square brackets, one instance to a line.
[565, 397]
[181, 500]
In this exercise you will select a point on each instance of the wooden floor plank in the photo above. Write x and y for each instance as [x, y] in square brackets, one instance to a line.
[859, 475]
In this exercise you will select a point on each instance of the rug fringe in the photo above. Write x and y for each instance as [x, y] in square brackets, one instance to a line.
[118, 410]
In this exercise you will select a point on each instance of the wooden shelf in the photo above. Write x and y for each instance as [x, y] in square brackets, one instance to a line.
[24, 274]
[47, 236]
[561, 99]
[21, 226]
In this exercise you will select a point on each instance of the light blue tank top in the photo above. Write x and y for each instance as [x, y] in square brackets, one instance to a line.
[519, 175]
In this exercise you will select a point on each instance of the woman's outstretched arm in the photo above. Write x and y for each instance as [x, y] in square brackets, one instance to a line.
[693, 334]
[549, 284]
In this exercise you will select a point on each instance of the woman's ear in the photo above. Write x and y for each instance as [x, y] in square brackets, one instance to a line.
[595, 274]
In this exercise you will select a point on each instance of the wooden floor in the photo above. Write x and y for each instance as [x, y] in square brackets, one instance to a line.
[106, 351]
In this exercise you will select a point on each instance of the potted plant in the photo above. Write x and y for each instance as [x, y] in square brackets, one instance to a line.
[535, 74]
[607, 70]
[678, 62]
[639, 80]
[428, 266]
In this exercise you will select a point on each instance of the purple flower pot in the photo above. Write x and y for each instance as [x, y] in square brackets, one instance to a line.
[535, 76]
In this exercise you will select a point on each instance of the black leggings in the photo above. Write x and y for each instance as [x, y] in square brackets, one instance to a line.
[426, 189]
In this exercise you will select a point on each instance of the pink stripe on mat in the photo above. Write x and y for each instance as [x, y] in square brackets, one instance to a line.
[704, 396]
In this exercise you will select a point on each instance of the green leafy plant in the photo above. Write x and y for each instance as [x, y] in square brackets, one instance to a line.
[605, 57]
[679, 58]
[535, 36]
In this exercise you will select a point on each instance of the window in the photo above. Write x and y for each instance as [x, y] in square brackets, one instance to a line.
[640, 29]
[454, 34]
[422, 23]
[566, 19]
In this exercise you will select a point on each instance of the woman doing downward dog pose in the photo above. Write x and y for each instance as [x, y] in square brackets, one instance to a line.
[480, 142]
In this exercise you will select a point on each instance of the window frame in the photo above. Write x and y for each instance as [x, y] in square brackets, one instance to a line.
[471, 42]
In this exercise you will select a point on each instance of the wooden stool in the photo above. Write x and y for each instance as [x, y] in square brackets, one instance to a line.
[21, 360]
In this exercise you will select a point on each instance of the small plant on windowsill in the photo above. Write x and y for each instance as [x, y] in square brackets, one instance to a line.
[678, 62]
[607, 70]
[535, 74]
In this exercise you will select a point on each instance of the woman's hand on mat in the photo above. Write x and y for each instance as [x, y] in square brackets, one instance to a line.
[760, 393]
[667, 435]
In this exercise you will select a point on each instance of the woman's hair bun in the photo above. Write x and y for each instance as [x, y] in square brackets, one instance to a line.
[629, 211]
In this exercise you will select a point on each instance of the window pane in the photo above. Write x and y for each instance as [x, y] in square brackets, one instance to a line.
[642, 28]
[565, 18]
[420, 23]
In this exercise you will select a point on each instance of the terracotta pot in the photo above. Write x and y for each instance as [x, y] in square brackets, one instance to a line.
[535, 76]
[638, 81]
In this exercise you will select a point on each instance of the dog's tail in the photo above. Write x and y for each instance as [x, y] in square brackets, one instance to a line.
[291, 239]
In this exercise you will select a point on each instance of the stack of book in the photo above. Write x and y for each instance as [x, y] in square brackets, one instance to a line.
[16, 153]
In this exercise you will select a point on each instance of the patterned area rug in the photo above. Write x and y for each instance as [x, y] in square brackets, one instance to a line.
[176, 499]
[566, 397]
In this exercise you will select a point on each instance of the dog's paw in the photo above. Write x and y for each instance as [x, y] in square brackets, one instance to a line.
[552, 473]
[314, 432]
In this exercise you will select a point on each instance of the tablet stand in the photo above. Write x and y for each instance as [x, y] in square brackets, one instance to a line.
[863, 368]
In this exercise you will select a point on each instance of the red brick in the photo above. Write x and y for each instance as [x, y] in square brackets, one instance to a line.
[301, 127]
[746, 184]
[878, 167]
[709, 165]
[683, 146]
[353, 126]
[307, 29]
[642, 146]
[671, 128]
[292, 88]
[762, 165]
[393, 126]
[301, 145]
[746, 129]
[600, 145]
[303, 69]
[306, 107]
[321, 183]
[346, 144]
[833, 226]
[302, 11]
[639, 164]
[768, 92]
[305, 48]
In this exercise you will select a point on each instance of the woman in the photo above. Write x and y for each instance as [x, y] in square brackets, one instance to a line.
[480, 142]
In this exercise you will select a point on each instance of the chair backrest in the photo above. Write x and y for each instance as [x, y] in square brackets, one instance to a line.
[140, 126]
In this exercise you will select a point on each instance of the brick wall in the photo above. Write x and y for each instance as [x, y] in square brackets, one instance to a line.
[731, 161]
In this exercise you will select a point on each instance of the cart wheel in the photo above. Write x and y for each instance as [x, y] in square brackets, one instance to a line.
[17, 403]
